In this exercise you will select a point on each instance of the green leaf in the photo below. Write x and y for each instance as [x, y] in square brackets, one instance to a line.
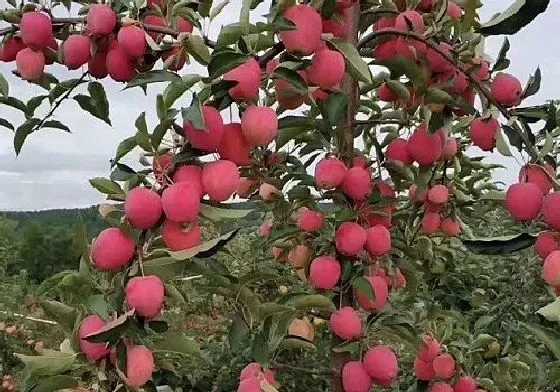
[171, 291]
[217, 9]
[34, 103]
[517, 16]
[166, 268]
[290, 127]
[23, 131]
[398, 88]
[549, 337]
[193, 115]
[98, 305]
[363, 286]
[435, 95]
[99, 101]
[308, 301]
[177, 343]
[223, 62]
[142, 136]
[469, 15]
[238, 334]
[399, 65]
[6, 124]
[223, 212]
[61, 313]
[493, 195]
[155, 76]
[13, 102]
[205, 249]
[334, 107]
[55, 383]
[229, 34]
[551, 312]
[113, 330]
[51, 282]
[292, 77]
[547, 146]
[55, 124]
[501, 145]
[4, 86]
[502, 62]
[533, 85]
[501, 245]
[106, 186]
[126, 146]
[355, 64]
[50, 363]
[175, 90]
[197, 48]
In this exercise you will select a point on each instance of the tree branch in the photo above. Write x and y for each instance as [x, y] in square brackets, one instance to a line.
[82, 19]
[276, 49]
[376, 121]
[479, 86]
[318, 372]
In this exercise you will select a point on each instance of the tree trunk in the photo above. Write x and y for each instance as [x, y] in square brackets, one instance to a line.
[345, 146]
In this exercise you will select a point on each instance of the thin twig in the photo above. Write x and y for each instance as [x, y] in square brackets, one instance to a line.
[531, 150]
[62, 98]
[276, 49]
[319, 372]
[376, 121]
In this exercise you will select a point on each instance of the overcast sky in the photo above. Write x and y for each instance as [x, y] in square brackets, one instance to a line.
[53, 168]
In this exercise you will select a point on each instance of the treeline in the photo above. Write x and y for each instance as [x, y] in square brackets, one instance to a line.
[41, 243]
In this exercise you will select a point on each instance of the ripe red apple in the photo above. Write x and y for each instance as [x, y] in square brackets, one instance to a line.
[431, 222]
[425, 147]
[132, 40]
[386, 94]
[436, 61]
[415, 196]
[30, 64]
[334, 26]
[424, 370]
[454, 11]
[441, 387]
[444, 366]
[155, 20]
[355, 377]
[449, 149]
[306, 37]
[551, 269]
[208, 139]
[145, 294]
[36, 30]
[101, 19]
[438, 194]
[139, 366]
[179, 236]
[184, 26]
[329, 173]
[381, 291]
[506, 89]
[259, 125]
[412, 17]
[326, 69]
[357, 184]
[248, 76]
[76, 51]
[524, 201]
[378, 241]
[346, 324]
[385, 22]
[233, 145]
[112, 249]
[92, 351]
[547, 242]
[142, 208]
[551, 210]
[10, 48]
[397, 150]
[268, 191]
[540, 175]
[119, 66]
[219, 179]
[465, 384]
[450, 227]
[175, 58]
[324, 272]
[191, 174]
[350, 238]
[483, 133]
[181, 202]
[381, 364]
[310, 221]
[97, 65]
[430, 349]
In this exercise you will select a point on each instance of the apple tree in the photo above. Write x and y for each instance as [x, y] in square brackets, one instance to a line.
[354, 129]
